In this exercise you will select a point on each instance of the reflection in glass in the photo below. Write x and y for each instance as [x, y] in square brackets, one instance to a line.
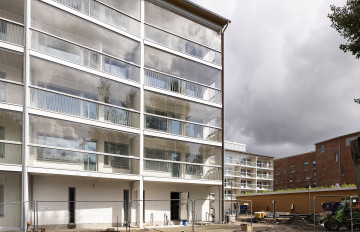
[177, 108]
[105, 14]
[181, 67]
[80, 31]
[173, 84]
[174, 23]
[162, 149]
[182, 45]
[73, 53]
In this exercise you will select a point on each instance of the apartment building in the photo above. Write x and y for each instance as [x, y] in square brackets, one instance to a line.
[329, 165]
[109, 101]
[246, 172]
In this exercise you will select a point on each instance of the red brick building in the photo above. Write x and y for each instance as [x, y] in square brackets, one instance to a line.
[330, 164]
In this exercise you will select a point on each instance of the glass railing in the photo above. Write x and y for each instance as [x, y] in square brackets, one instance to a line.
[173, 84]
[229, 196]
[259, 165]
[262, 176]
[11, 93]
[10, 153]
[248, 163]
[181, 170]
[182, 45]
[105, 14]
[79, 55]
[11, 32]
[248, 186]
[77, 107]
[251, 175]
[182, 128]
[82, 161]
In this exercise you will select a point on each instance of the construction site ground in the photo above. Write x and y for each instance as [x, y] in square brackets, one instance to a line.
[282, 225]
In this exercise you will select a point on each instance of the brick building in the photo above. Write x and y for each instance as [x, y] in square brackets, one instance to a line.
[330, 164]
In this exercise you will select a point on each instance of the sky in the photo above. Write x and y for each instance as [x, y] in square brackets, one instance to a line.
[287, 83]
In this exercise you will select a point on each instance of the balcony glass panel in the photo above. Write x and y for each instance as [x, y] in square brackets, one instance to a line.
[182, 128]
[70, 135]
[81, 161]
[77, 107]
[166, 149]
[180, 170]
[11, 33]
[105, 14]
[12, 10]
[11, 93]
[174, 23]
[182, 45]
[176, 85]
[177, 108]
[11, 126]
[130, 7]
[181, 67]
[76, 54]
[11, 66]
[10, 153]
[77, 30]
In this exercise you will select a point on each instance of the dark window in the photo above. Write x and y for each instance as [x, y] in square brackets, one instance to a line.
[323, 171]
[292, 168]
[322, 148]
[306, 166]
[336, 157]
[277, 171]
[314, 164]
[342, 170]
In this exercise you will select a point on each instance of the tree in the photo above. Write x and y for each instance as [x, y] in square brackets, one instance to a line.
[346, 20]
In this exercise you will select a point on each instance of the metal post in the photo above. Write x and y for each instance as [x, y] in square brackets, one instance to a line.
[309, 198]
[351, 218]
[117, 223]
[314, 215]
[231, 197]
[37, 216]
[193, 216]
[274, 209]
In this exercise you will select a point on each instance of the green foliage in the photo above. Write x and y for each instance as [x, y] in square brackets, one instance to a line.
[346, 20]
[298, 189]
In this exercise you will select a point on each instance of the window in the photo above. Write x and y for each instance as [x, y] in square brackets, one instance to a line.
[314, 174]
[336, 157]
[322, 148]
[119, 149]
[306, 165]
[290, 179]
[297, 177]
[284, 169]
[342, 170]
[292, 168]
[323, 171]
[276, 180]
[314, 164]
[292, 186]
[194, 169]
[277, 170]
[2, 145]
[348, 140]
[280, 180]
[1, 200]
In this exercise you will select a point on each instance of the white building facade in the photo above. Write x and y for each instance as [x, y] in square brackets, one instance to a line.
[246, 172]
[109, 101]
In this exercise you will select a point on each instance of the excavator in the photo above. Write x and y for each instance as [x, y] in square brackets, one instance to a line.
[347, 213]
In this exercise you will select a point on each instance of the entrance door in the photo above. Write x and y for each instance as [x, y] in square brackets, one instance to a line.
[72, 205]
[174, 206]
[126, 205]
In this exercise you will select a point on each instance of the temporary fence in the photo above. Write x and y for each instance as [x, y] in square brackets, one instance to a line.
[84, 215]
[194, 215]
[10, 215]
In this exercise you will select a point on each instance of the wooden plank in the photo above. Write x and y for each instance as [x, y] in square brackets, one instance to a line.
[355, 154]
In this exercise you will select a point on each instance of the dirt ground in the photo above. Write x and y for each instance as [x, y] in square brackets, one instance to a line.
[285, 225]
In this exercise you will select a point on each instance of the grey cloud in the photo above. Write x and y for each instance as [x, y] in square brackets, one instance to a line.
[287, 84]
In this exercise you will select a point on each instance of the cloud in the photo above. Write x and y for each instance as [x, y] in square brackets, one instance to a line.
[287, 84]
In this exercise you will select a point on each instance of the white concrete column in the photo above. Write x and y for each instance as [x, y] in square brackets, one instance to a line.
[25, 131]
[142, 106]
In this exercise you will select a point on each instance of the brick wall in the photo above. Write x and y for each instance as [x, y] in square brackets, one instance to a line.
[263, 201]
[333, 165]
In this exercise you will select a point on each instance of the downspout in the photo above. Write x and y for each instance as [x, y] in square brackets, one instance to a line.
[222, 121]
[339, 162]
